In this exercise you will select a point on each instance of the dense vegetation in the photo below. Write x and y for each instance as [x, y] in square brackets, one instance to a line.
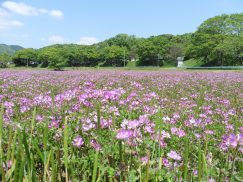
[217, 41]
[5, 53]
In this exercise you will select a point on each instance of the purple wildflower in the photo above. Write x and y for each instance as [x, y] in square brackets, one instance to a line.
[166, 162]
[145, 159]
[8, 165]
[124, 134]
[178, 132]
[105, 123]
[173, 155]
[78, 141]
[209, 132]
[232, 140]
[95, 145]
[211, 180]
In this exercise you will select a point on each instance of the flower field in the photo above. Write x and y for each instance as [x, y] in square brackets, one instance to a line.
[121, 126]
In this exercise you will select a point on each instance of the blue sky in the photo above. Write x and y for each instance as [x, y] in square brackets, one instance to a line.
[37, 23]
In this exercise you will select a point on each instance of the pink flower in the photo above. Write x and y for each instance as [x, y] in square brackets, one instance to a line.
[195, 172]
[178, 132]
[95, 145]
[166, 162]
[78, 142]
[165, 134]
[39, 118]
[8, 105]
[133, 124]
[232, 140]
[105, 123]
[173, 155]
[211, 180]
[209, 132]
[124, 134]
[145, 159]
[8, 165]
[54, 123]
[162, 143]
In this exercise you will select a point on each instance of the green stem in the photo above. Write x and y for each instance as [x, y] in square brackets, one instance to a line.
[200, 167]
[1, 142]
[65, 138]
[95, 166]
[147, 169]
[186, 155]
[233, 165]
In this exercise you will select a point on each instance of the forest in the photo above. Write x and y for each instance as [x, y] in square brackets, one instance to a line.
[218, 41]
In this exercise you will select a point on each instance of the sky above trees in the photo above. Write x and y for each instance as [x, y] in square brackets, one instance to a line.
[31, 23]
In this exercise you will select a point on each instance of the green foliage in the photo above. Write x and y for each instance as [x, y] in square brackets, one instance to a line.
[25, 57]
[219, 40]
[123, 40]
[114, 55]
[5, 58]
[52, 57]
[58, 56]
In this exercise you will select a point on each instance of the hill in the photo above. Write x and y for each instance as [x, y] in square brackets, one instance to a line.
[10, 49]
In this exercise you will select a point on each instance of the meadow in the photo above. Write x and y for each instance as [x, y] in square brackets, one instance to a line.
[117, 125]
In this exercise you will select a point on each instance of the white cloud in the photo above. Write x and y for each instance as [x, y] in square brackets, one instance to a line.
[20, 8]
[5, 23]
[27, 10]
[57, 14]
[56, 39]
[9, 8]
[88, 40]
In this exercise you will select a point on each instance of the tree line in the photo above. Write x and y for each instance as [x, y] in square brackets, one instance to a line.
[217, 41]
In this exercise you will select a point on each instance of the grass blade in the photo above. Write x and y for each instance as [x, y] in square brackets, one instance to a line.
[95, 166]
[186, 157]
[65, 138]
[1, 144]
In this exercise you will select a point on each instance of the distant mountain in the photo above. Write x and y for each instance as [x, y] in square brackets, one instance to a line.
[10, 49]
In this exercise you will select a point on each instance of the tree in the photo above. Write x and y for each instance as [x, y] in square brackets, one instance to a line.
[5, 58]
[52, 57]
[149, 49]
[231, 51]
[114, 55]
[218, 39]
[91, 56]
[215, 25]
[25, 57]
[123, 40]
